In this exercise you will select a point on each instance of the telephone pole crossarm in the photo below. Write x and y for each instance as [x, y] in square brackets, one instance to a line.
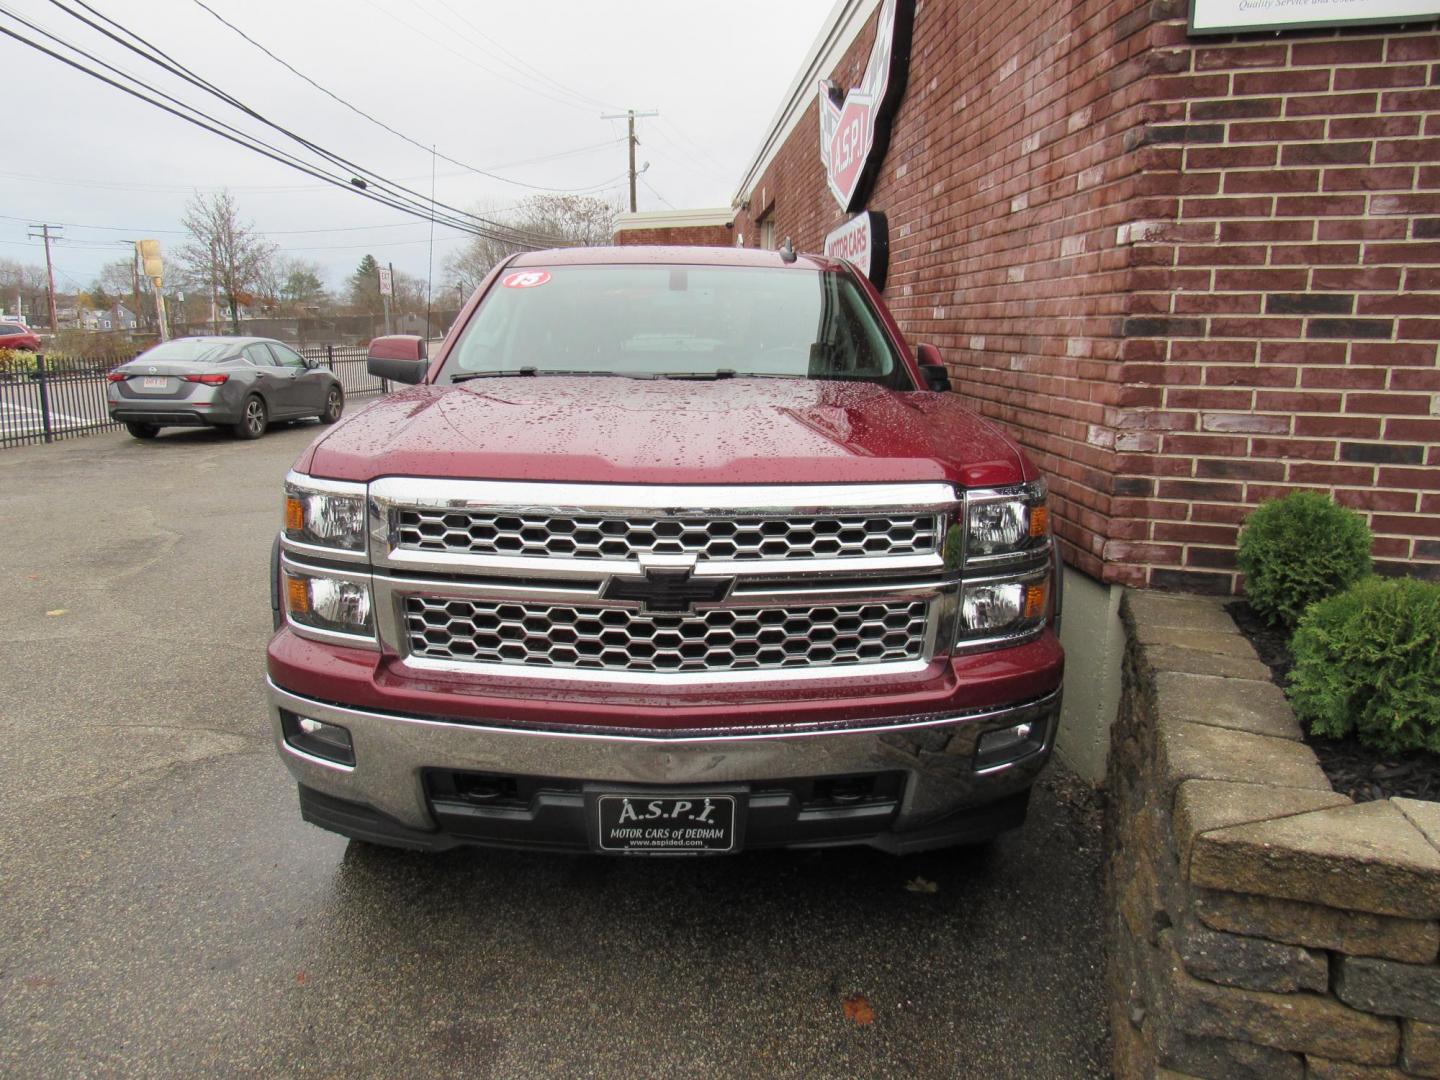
[631, 115]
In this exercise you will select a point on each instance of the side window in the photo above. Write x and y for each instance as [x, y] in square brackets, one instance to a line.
[286, 356]
[258, 355]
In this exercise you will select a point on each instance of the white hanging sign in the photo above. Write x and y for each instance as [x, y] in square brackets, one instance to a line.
[1238, 16]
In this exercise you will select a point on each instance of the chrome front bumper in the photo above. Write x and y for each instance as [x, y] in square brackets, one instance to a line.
[935, 751]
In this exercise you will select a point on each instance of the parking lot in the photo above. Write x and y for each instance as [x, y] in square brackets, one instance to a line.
[164, 911]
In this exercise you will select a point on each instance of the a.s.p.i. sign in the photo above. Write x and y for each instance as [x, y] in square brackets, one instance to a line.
[855, 123]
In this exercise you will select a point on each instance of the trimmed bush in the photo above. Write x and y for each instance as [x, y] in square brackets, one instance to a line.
[1300, 549]
[1368, 662]
[15, 363]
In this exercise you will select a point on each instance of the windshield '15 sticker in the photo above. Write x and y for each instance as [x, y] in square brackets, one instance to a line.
[526, 279]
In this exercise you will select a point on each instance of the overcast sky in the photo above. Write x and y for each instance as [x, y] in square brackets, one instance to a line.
[513, 88]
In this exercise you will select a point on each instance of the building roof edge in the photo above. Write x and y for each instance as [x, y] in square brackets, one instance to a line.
[841, 28]
[672, 219]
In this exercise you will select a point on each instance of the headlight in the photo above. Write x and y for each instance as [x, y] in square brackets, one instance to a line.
[1003, 608]
[325, 513]
[338, 605]
[1007, 522]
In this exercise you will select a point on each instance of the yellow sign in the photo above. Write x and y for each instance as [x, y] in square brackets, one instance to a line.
[150, 255]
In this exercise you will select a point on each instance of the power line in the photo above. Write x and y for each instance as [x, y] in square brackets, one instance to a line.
[107, 228]
[231, 133]
[651, 188]
[165, 62]
[470, 60]
[681, 134]
[259, 189]
[362, 113]
[586, 101]
[209, 123]
[268, 232]
[632, 116]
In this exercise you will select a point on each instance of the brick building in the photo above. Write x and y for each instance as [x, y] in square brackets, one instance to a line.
[1188, 272]
[700, 228]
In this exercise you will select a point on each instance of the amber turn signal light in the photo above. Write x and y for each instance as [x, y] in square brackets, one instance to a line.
[294, 514]
[1039, 521]
[298, 594]
[1035, 597]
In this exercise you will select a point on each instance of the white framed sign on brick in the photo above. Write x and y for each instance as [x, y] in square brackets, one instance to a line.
[1239, 16]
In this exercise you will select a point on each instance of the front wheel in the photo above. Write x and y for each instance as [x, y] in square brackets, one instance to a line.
[254, 420]
[143, 431]
[334, 405]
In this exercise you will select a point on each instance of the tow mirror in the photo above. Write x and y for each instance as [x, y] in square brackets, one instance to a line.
[398, 357]
[933, 368]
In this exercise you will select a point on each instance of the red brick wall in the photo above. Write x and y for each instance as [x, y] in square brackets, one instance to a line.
[1284, 332]
[1187, 275]
[685, 236]
[1006, 179]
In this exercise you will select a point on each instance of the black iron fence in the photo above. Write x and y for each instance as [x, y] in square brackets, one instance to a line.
[348, 363]
[44, 399]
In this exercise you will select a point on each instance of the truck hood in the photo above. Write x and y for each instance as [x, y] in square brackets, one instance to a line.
[616, 430]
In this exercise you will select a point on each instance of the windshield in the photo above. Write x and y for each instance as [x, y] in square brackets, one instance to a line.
[203, 352]
[677, 321]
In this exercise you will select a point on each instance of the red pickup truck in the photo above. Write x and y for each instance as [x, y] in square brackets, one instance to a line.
[667, 551]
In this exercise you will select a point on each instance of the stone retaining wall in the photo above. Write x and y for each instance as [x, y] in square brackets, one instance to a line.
[1260, 925]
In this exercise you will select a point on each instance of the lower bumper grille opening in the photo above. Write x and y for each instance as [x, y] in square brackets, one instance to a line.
[504, 791]
[496, 790]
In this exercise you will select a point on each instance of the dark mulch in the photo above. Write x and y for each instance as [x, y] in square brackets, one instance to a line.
[1353, 770]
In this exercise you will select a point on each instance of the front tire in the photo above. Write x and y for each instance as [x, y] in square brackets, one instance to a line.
[334, 405]
[254, 418]
[142, 431]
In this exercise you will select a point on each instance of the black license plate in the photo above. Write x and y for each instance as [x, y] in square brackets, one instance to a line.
[665, 824]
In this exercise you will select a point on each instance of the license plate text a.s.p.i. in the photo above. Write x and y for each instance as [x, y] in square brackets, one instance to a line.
[666, 824]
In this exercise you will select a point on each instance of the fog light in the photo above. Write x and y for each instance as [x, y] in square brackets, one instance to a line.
[316, 737]
[997, 748]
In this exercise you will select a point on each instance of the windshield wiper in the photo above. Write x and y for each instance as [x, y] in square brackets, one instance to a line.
[527, 372]
[720, 373]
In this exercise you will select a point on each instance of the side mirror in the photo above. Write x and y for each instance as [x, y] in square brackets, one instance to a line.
[932, 368]
[399, 357]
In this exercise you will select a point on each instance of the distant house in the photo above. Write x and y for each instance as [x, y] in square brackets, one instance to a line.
[74, 316]
[118, 317]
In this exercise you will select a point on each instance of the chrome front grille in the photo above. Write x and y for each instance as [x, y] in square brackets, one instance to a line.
[730, 639]
[619, 538]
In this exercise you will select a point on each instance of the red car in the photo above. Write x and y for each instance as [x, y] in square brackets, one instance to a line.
[667, 551]
[18, 336]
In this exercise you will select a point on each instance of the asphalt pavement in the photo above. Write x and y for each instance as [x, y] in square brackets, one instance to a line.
[164, 911]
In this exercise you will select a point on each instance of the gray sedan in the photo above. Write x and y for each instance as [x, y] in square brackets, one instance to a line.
[237, 382]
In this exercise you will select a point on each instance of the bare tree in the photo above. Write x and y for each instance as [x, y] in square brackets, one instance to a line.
[223, 254]
[545, 221]
[409, 298]
[572, 220]
[22, 288]
[117, 281]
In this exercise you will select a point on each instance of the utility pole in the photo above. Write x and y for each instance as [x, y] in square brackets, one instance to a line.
[631, 115]
[49, 267]
[135, 282]
[387, 286]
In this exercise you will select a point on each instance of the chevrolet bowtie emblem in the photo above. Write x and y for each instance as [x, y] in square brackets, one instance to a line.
[669, 584]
